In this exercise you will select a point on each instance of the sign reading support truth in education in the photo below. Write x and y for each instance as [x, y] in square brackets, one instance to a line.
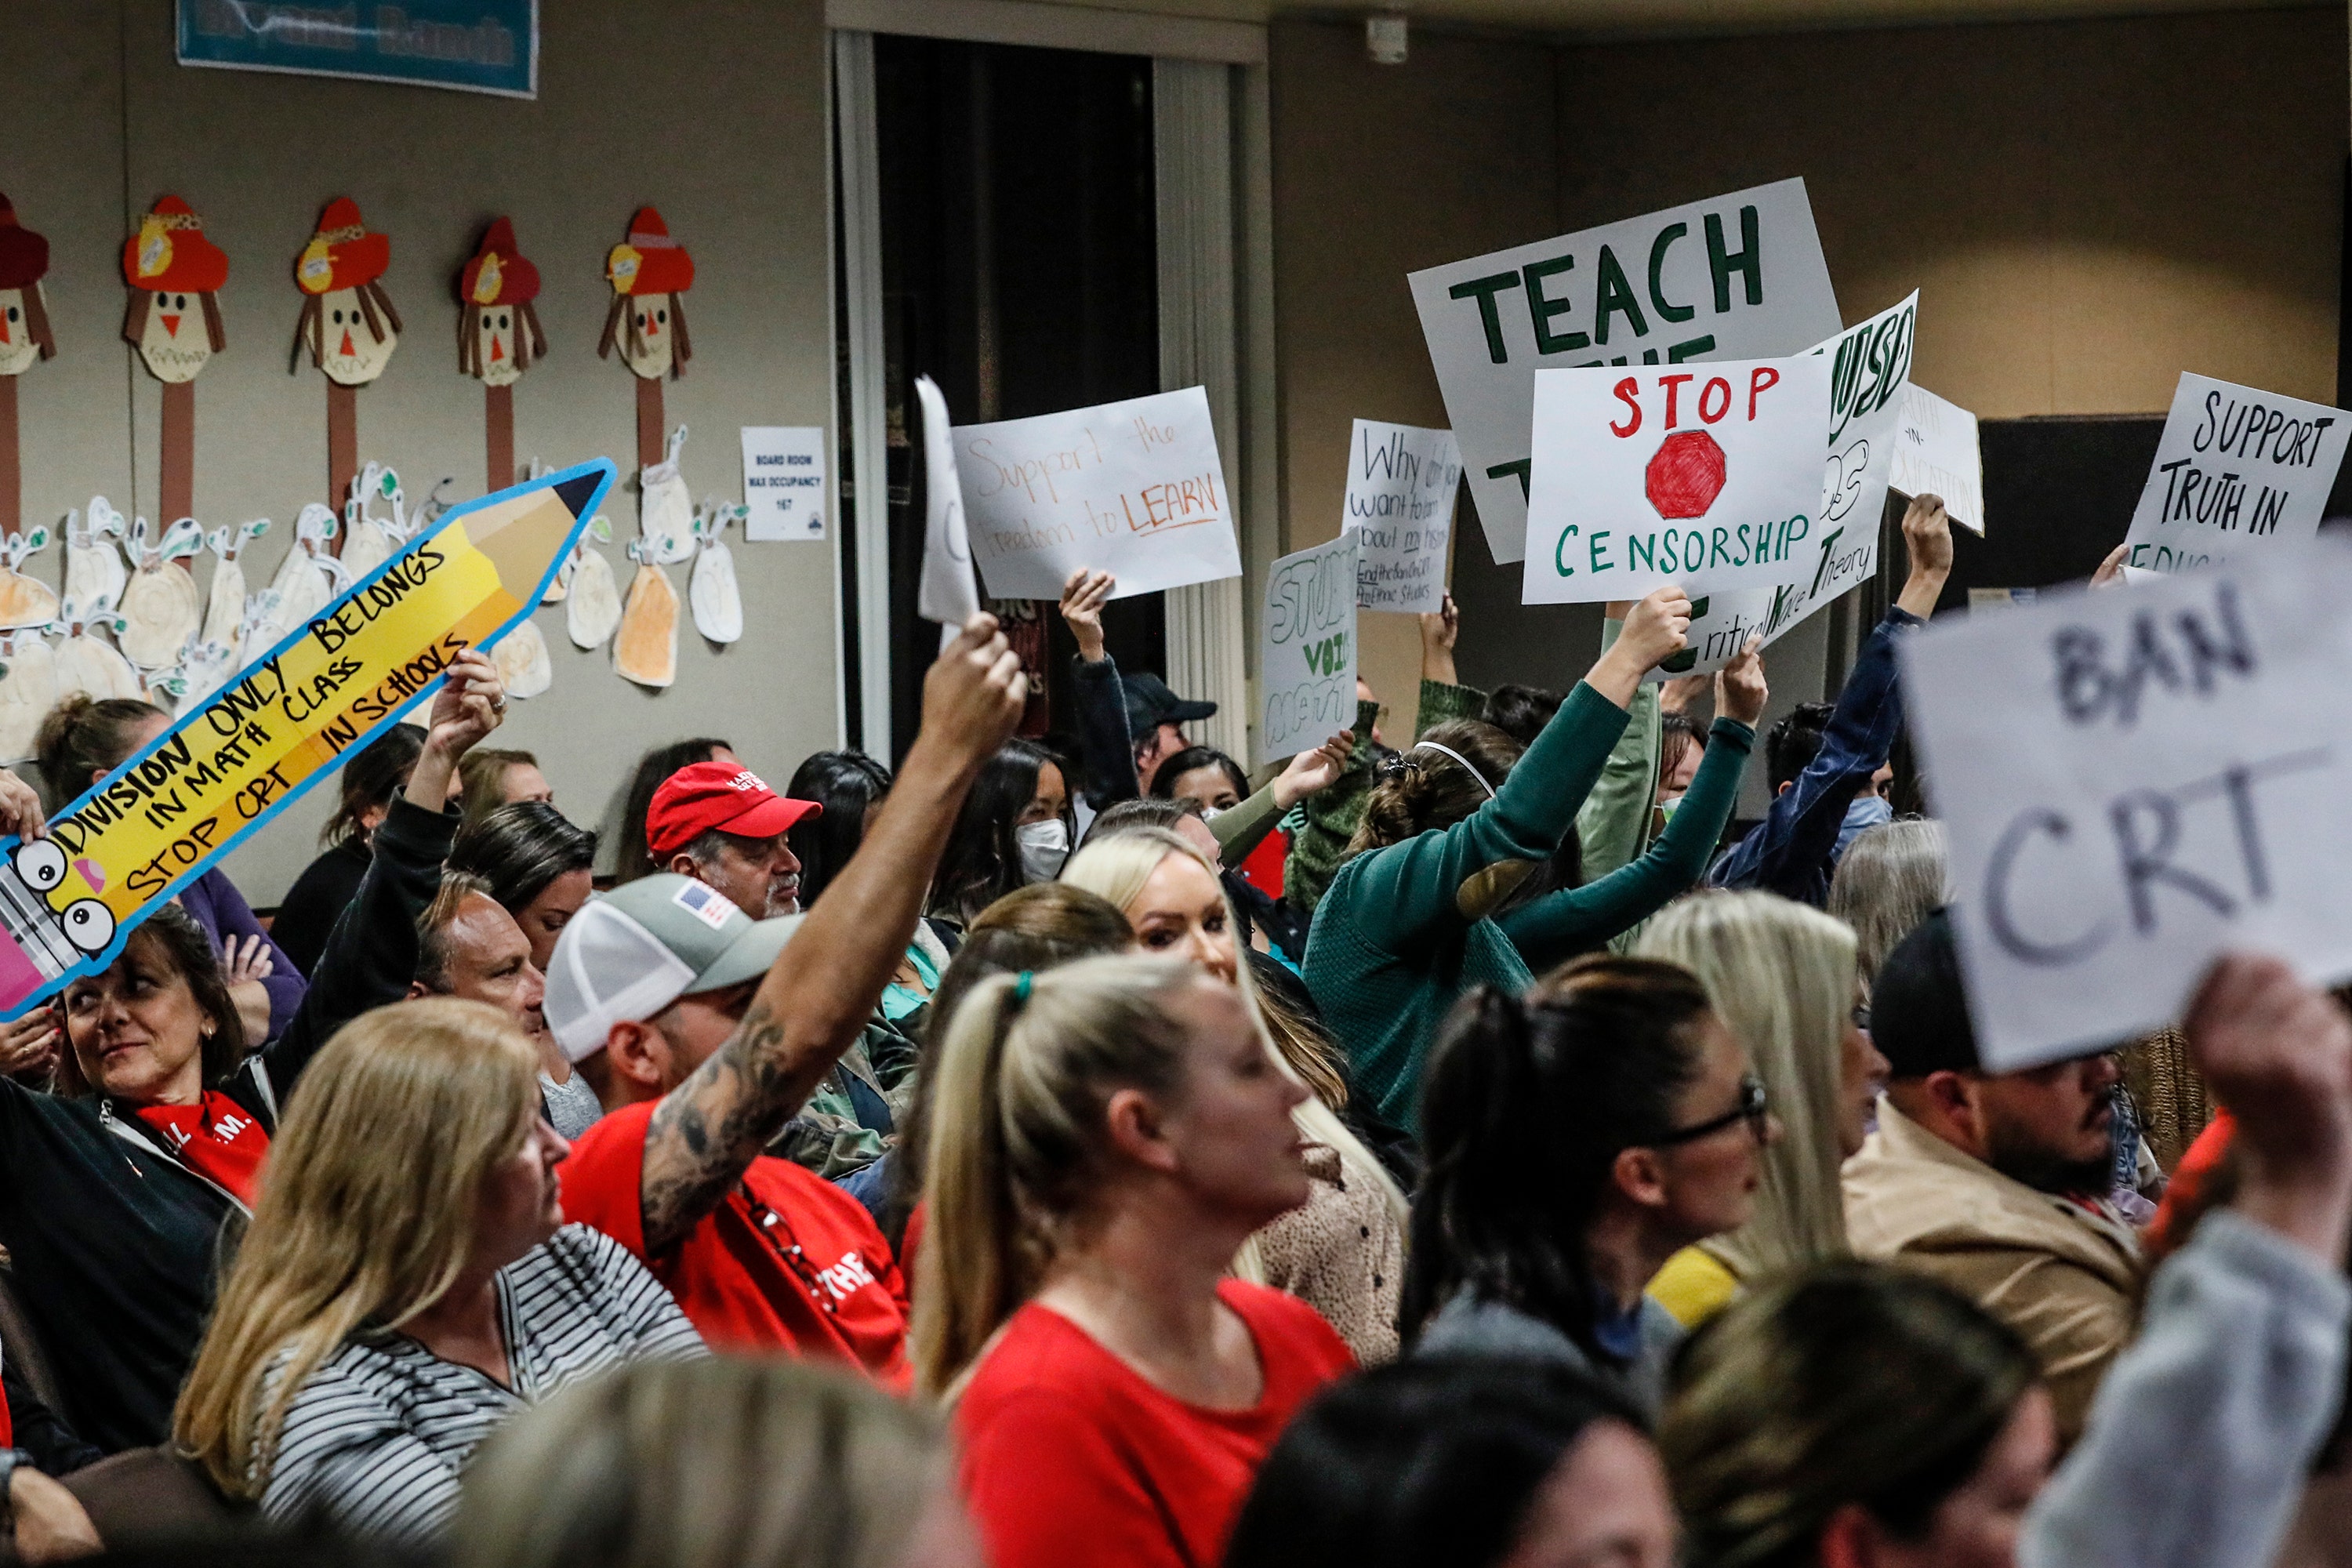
[1306, 648]
[1402, 481]
[472, 46]
[2236, 471]
[2134, 781]
[1709, 477]
[1935, 454]
[1739, 276]
[69, 901]
[1133, 488]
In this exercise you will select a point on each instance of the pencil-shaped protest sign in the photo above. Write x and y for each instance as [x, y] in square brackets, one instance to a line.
[67, 902]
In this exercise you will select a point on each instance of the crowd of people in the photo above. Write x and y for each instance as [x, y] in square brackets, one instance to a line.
[970, 1160]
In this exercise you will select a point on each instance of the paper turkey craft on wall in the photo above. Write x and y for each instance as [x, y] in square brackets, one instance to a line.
[175, 275]
[499, 337]
[24, 341]
[348, 323]
[650, 273]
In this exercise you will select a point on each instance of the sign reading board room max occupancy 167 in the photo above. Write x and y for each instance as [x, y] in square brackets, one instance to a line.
[69, 901]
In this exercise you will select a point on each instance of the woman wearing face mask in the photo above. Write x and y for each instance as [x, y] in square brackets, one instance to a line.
[1343, 1251]
[1014, 828]
[383, 1316]
[1108, 1134]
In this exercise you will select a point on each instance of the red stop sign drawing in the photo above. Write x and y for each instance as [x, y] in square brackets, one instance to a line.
[1686, 474]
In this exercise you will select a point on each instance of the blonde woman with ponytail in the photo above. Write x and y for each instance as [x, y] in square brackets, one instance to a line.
[1106, 1135]
[1342, 1252]
[1782, 977]
[407, 1282]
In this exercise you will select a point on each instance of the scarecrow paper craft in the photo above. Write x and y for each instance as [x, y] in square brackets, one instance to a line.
[28, 689]
[24, 341]
[499, 337]
[160, 611]
[591, 604]
[650, 273]
[348, 323]
[94, 568]
[175, 275]
[25, 600]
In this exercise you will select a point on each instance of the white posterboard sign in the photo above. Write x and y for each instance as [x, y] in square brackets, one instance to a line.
[1402, 481]
[1935, 454]
[1134, 488]
[2235, 469]
[1738, 276]
[949, 593]
[1709, 477]
[1306, 648]
[2135, 781]
[783, 483]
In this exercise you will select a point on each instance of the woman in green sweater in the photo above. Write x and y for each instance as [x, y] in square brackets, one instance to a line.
[1424, 908]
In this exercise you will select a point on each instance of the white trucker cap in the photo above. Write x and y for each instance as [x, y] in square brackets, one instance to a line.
[630, 952]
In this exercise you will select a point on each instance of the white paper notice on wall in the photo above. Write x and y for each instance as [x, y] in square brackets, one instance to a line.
[1736, 276]
[948, 594]
[1134, 488]
[2135, 781]
[1306, 648]
[1402, 481]
[1709, 478]
[783, 483]
[1935, 454]
[2237, 471]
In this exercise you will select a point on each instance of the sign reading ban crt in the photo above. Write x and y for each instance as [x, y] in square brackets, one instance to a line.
[2135, 781]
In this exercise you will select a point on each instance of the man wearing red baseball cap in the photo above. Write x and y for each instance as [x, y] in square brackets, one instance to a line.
[720, 824]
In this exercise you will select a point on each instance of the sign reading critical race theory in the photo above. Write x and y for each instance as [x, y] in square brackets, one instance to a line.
[2133, 781]
[2234, 466]
[1402, 481]
[288, 720]
[474, 45]
[1133, 488]
[1739, 276]
[1306, 648]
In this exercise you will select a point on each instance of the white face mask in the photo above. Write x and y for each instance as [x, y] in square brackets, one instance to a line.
[1043, 846]
[1210, 813]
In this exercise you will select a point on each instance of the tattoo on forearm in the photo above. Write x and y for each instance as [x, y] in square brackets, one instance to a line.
[706, 1132]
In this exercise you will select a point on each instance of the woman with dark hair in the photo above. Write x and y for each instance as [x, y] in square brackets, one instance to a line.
[1445, 890]
[848, 785]
[1573, 1143]
[113, 1191]
[632, 858]
[1479, 1464]
[370, 782]
[1015, 828]
[539, 864]
[81, 740]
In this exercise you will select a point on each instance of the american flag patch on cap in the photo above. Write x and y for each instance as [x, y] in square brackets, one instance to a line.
[706, 903]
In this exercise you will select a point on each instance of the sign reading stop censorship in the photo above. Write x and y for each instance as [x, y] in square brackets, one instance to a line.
[1709, 475]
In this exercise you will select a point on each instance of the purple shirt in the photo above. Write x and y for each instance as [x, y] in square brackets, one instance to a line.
[222, 910]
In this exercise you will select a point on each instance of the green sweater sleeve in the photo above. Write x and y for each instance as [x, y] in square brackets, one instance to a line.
[1331, 817]
[1614, 826]
[1244, 827]
[1441, 702]
[1407, 891]
[1560, 925]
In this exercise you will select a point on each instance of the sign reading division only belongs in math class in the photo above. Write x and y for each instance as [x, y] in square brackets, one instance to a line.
[1306, 648]
[1402, 481]
[2135, 781]
[1735, 277]
[1133, 488]
[1709, 475]
[2236, 470]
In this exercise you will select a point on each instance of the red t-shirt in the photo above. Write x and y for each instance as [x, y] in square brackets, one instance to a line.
[7, 1431]
[2185, 1189]
[1071, 1456]
[217, 1138]
[736, 1277]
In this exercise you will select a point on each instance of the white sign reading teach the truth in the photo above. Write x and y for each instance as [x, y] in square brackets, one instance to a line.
[1738, 276]
[2134, 781]
[1133, 488]
[784, 483]
[1306, 648]
[947, 592]
[1400, 484]
[2235, 465]
[1708, 477]
[1935, 454]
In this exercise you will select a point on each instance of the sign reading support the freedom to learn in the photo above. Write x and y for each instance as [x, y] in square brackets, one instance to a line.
[67, 902]
[1306, 648]
[1739, 276]
[472, 46]
[1402, 481]
[2134, 781]
[2236, 470]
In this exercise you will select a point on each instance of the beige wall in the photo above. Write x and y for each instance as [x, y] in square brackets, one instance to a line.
[715, 114]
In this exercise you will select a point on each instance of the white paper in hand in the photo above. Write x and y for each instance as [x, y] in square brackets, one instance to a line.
[1306, 648]
[1935, 454]
[1402, 481]
[949, 594]
[2237, 471]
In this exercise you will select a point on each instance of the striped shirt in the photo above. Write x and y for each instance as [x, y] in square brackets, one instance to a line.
[375, 1442]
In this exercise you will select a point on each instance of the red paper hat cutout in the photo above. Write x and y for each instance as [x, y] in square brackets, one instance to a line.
[510, 280]
[24, 255]
[650, 261]
[342, 254]
[170, 254]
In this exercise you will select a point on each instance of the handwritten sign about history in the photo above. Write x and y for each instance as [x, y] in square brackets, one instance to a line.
[1402, 481]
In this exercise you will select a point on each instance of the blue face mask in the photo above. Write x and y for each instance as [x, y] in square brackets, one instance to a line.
[1866, 812]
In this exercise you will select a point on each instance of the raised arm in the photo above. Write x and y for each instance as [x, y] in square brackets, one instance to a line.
[1443, 695]
[1105, 747]
[1612, 827]
[705, 1133]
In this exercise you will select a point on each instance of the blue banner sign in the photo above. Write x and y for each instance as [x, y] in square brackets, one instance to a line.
[472, 46]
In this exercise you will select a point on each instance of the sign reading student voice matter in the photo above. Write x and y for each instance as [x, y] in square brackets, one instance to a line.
[2236, 471]
[1306, 648]
[2134, 781]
